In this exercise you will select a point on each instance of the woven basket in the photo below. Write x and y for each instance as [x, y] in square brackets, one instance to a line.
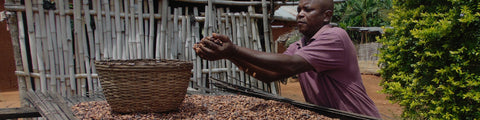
[144, 85]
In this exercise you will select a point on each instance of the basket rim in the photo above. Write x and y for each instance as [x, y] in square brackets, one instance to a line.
[143, 64]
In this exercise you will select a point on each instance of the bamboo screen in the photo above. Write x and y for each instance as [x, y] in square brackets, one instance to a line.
[58, 41]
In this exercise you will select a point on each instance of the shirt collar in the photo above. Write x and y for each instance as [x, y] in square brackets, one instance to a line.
[319, 32]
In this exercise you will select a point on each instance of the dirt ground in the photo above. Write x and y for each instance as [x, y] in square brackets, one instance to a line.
[387, 110]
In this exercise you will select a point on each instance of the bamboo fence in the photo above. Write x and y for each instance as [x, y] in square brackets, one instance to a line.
[57, 45]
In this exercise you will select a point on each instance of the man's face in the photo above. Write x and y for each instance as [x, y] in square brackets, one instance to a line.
[310, 17]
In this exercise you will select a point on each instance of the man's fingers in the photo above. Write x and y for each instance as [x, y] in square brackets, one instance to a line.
[223, 38]
[211, 44]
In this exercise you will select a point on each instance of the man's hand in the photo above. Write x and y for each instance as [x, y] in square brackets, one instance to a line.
[215, 47]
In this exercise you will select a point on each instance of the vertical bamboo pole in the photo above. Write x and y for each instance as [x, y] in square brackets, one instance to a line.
[250, 39]
[145, 29]
[209, 15]
[78, 34]
[39, 85]
[15, 24]
[31, 38]
[128, 45]
[169, 35]
[221, 28]
[246, 38]
[205, 63]
[96, 46]
[240, 41]
[67, 50]
[189, 49]
[52, 41]
[266, 30]
[229, 34]
[41, 40]
[140, 36]
[84, 44]
[108, 35]
[98, 30]
[60, 42]
[85, 47]
[151, 29]
[189, 42]
[123, 30]
[146, 43]
[114, 42]
[175, 40]
[133, 35]
[118, 30]
[44, 45]
[158, 45]
[162, 48]
[183, 35]
[234, 39]
[58, 51]
[196, 37]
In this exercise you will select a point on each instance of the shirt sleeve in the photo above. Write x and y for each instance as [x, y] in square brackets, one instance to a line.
[326, 52]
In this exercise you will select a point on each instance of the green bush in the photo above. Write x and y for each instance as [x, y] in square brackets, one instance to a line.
[431, 58]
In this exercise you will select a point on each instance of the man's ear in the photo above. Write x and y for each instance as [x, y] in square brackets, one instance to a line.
[328, 15]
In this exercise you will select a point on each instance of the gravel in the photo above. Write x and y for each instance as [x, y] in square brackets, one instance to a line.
[206, 107]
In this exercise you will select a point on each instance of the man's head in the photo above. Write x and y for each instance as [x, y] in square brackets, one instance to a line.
[313, 15]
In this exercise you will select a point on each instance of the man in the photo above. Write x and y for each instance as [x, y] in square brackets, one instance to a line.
[325, 60]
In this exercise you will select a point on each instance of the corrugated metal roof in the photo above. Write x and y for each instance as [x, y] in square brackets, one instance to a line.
[288, 12]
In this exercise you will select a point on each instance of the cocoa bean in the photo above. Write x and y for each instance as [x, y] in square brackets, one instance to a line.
[215, 107]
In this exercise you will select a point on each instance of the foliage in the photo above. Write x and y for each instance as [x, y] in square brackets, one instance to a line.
[431, 59]
[367, 13]
[362, 13]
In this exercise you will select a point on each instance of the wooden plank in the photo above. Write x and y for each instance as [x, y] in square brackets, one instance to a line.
[23, 112]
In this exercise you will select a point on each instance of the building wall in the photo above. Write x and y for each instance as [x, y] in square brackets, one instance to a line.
[277, 32]
[8, 80]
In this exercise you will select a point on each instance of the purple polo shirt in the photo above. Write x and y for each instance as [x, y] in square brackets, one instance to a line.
[335, 81]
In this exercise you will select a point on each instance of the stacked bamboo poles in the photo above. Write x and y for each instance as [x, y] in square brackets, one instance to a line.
[63, 62]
